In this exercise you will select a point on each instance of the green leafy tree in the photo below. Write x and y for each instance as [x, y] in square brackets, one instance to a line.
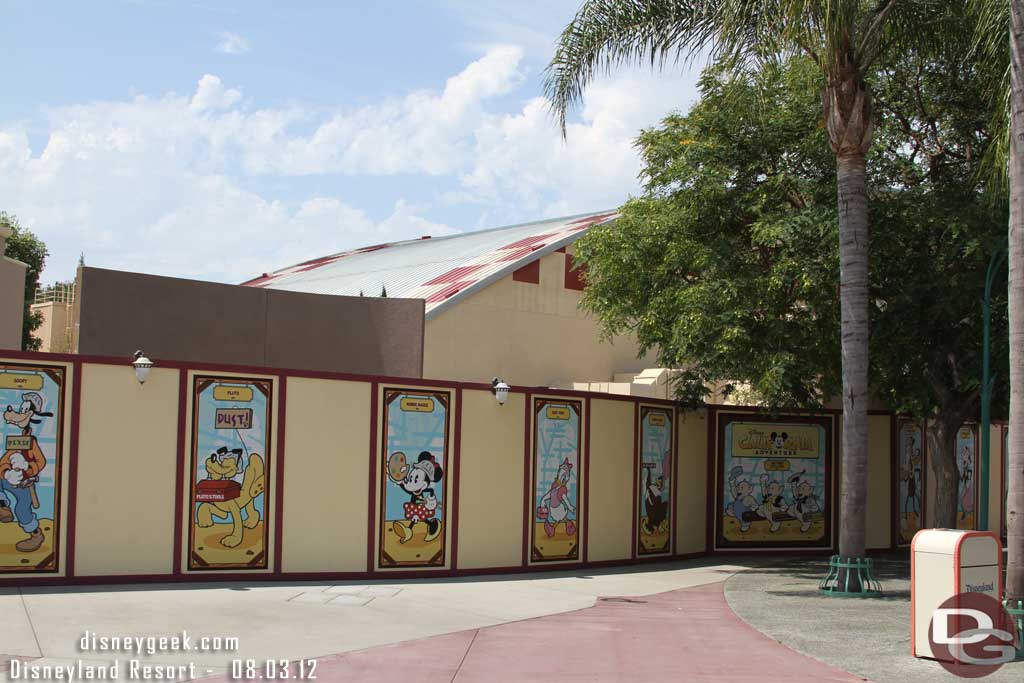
[727, 264]
[23, 246]
[844, 39]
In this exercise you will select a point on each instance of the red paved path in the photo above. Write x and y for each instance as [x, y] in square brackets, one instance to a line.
[683, 635]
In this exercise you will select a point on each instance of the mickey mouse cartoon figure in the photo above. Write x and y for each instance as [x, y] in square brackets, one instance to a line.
[416, 480]
[779, 440]
[19, 472]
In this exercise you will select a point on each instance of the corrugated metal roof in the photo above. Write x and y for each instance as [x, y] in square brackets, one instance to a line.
[440, 270]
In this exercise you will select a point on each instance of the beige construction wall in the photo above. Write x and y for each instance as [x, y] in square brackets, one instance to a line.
[133, 473]
[528, 334]
[127, 464]
[325, 491]
[692, 485]
[491, 480]
[610, 498]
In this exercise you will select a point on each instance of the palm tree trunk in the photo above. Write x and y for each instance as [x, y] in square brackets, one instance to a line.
[1015, 498]
[853, 284]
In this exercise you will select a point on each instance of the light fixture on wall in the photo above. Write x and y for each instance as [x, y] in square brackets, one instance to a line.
[500, 390]
[142, 366]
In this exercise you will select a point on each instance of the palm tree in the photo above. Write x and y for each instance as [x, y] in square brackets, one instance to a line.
[1015, 500]
[844, 38]
[1004, 71]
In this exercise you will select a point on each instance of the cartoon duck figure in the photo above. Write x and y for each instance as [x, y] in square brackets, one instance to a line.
[555, 506]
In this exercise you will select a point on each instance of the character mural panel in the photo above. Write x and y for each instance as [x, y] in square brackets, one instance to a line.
[230, 468]
[413, 508]
[556, 471]
[31, 465]
[967, 467]
[910, 477]
[654, 518]
[776, 482]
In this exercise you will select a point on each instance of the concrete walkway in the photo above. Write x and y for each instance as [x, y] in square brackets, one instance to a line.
[683, 635]
[867, 636]
[305, 620]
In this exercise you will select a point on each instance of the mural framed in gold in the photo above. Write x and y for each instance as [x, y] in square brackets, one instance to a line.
[967, 478]
[556, 465]
[413, 478]
[910, 472]
[775, 481]
[31, 467]
[654, 477]
[230, 465]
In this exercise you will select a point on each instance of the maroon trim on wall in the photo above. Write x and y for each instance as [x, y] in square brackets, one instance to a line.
[107, 580]
[636, 482]
[530, 273]
[712, 487]
[179, 472]
[371, 515]
[586, 479]
[527, 475]
[282, 395]
[313, 374]
[76, 414]
[456, 468]
[574, 275]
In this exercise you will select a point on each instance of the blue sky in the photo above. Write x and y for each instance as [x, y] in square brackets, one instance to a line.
[218, 140]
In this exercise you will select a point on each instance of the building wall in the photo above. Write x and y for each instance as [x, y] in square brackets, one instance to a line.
[176, 319]
[528, 334]
[12, 303]
[53, 330]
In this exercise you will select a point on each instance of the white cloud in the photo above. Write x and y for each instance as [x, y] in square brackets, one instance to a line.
[232, 44]
[178, 184]
[520, 159]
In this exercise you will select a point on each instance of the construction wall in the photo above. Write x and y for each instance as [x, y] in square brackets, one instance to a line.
[206, 472]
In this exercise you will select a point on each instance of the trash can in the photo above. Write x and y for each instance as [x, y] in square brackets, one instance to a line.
[948, 562]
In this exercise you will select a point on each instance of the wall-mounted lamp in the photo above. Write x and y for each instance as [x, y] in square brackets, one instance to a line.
[500, 390]
[142, 367]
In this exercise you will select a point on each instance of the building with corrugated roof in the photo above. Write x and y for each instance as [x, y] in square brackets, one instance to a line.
[500, 302]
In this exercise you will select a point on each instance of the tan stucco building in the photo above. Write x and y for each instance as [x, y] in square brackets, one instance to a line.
[12, 303]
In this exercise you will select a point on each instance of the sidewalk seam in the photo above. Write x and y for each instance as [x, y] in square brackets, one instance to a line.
[464, 655]
[28, 615]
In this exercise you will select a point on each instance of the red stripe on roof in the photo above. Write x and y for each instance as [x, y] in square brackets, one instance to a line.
[453, 274]
[448, 291]
[319, 263]
[519, 253]
[527, 241]
[258, 281]
[589, 220]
